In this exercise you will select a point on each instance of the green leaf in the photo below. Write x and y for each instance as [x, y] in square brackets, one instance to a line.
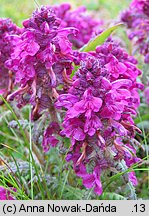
[144, 117]
[99, 39]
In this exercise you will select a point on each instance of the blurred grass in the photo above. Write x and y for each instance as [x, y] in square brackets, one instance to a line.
[19, 10]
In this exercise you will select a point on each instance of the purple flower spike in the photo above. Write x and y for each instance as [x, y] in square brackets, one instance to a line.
[137, 21]
[42, 60]
[79, 19]
[99, 108]
[7, 28]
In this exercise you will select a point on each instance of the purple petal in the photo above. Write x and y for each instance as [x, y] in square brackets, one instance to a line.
[78, 134]
[121, 83]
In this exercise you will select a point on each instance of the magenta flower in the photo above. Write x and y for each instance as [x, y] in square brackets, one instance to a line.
[42, 60]
[91, 180]
[79, 19]
[5, 194]
[7, 28]
[87, 105]
[43, 56]
[141, 6]
[137, 20]
[100, 105]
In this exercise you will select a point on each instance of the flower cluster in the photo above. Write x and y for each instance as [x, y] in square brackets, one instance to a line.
[137, 20]
[100, 105]
[79, 19]
[41, 60]
[5, 194]
[7, 28]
